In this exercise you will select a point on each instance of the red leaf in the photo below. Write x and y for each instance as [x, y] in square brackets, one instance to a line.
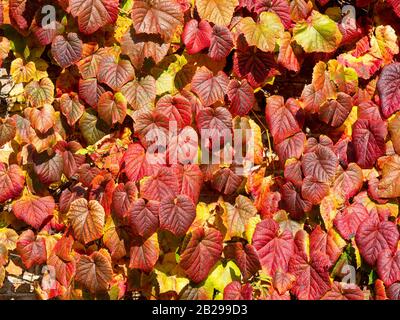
[293, 202]
[123, 197]
[143, 217]
[388, 88]
[280, 7]
[348, 220]
[71, 107]
[34, 210]
[388, 266]
[90, 91]
[374, 236]
[344, 291]
[12, 180]
[136, 165]
[115, 73]
[48, 168]
[31, 249]
[112, 108]
[369, 141]
[144, 254]
[281, 122]
[67, 51]
[208, 87]
[245, 256]
[273, 247]
[157, 16]
[196, 35]
[226, 181]
[291, 147]
[202, 252]
[95, 14]
[221, 43]
[62, 260]
[320, 164]
[191, 181]
[94, 271]
[241, 96]
[335, 112]
[313, 190]
[177, 214]
[160, 186]
[235, 291]
[177, 108]
[312, 276]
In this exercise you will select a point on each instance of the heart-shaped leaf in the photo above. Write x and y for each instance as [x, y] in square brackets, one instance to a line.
[87, 219]
[144, 253]
[112, 107]
[12, 180]
[177, 214]
[143, 217]
[34, 210]
[31, 249]
[388, 88]
[115, 73]
[71, 107]
[94, 271]
[201, 253]
[95, 14]
[196, 36]
[67, 50]
[221, 42]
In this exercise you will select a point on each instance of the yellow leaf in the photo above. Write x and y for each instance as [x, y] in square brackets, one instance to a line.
[8, 237]
[22, 72]
[265, 33]
[219, 12]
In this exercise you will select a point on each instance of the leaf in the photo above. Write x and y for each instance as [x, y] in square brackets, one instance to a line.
[320, 164]
[237, 216]
[291, 147]
[48, 168]
[280, 7]
[123, 197]
[143, 217]
[8, 131]
[87, 219]
[67, 50]
[241, 96]
[114, 73]
[191, 181]
[317, 34]
[221, 43]
[388, 187]
[92, 128]
[71, 107]
[136, 165]
[369, 141]
[12, 180]
[140, 94]
[374, 236]
[177, 214]
[208, 87]
[273, 248]
[280, 119]
[293, 202]
[388, 266]
[245, 256]
[22, 72]
[112, 107]
[348, 182]
[344, 291]
[34, 210]
[203, 250]
[94, 14]
[235, 291]
[286, 56]
[41, 119]
[144, 254]
[39, 93]
[314, 190]
[215, 122]
[348, 220]
[141, 46]
[87, 88]
[226, 181]
[159, 16]
[159, 186]
[8, 238]
[219, 12]
[335, 112]
[62, 260]
[263, 34]
[94, 271]
[177, 108]
[388, 89]
[31, 249]
[312, 276]
[196, 36]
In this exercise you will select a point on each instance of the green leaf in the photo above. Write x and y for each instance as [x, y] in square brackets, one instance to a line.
[317, 34]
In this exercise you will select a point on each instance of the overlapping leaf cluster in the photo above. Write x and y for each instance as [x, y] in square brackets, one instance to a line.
[311, 212]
